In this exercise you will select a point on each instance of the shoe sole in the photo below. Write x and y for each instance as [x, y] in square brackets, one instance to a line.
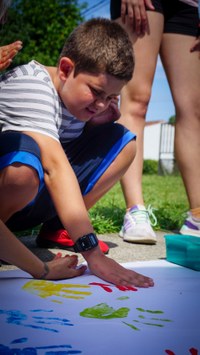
[139, 241]
[190, 232]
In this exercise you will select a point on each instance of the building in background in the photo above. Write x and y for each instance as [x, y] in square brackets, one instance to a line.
[159, 145]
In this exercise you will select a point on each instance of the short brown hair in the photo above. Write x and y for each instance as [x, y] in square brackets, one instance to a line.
[100, 46]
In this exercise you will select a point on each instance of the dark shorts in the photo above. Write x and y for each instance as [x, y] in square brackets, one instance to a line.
[90, 155]
[179, 17]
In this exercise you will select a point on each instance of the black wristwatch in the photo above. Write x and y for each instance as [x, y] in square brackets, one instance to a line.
[86, 242]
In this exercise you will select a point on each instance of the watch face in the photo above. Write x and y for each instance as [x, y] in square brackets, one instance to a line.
[87, 242]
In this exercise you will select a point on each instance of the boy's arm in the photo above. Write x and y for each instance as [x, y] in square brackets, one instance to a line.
[63, 186]
[64, 189]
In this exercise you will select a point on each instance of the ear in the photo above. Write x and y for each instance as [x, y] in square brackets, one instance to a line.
[66, 66]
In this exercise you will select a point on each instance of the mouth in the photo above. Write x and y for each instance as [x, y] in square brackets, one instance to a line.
[91, 112]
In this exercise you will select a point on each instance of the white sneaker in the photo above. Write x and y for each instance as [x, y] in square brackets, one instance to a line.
[191, 226]
[137, 225]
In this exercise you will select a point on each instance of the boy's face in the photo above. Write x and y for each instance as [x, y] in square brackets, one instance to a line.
[87, 95]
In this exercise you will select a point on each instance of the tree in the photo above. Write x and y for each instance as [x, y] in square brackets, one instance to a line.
[172, 120]
[42, 26]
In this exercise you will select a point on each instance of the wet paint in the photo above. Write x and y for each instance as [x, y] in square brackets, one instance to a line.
[109, 287]
[27, 320]
[145, 320]
[103, 311]
[49, 350]
[47, 289]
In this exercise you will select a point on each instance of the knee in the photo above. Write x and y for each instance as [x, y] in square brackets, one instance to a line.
[18, 186]
[18, 176]
[139, 99]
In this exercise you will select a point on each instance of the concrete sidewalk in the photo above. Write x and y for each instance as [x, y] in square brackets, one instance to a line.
[119, 250]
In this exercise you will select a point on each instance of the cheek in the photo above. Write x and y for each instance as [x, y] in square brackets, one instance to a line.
[85, 96]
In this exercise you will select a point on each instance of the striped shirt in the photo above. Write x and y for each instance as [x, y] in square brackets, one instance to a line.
[30, 102]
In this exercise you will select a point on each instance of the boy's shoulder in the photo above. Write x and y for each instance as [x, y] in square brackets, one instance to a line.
[31, 77]
[30, 71]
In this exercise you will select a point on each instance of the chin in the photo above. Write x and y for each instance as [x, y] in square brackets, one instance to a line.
[85, 116]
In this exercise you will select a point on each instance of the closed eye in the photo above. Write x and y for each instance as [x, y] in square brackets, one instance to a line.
[101, 95]
[96, 92]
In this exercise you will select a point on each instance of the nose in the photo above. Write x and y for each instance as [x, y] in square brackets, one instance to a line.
[101, 104]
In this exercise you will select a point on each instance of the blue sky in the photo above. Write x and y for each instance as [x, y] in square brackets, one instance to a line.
[161, 105]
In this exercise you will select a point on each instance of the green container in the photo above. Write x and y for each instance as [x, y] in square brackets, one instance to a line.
[183, 250]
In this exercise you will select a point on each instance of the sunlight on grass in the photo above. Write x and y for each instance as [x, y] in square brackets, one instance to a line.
[165, 193]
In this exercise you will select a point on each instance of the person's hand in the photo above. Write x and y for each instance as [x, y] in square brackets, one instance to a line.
[196, 46]
[134, 13]
[7, 53]
[64, 267]
[111, 114]
[110, 271]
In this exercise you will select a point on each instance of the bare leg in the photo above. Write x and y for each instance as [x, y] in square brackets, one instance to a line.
[134, 104]
[18, 186]
[182, 69]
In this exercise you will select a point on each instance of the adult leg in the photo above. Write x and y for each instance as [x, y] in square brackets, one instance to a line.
[182, 69]
[134, 104]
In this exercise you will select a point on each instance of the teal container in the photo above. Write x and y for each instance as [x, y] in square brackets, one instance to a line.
[183, 250]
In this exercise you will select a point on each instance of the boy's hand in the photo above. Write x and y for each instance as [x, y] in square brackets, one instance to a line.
[110, 271]
[7, 53]
[64, 267]
[111, 114]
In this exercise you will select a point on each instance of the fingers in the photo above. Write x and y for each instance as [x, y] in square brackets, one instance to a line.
[132, 278]
[134, 12]
[149, 5]
[123, 11]
[196, 45]
[5, 65]
[138, 280]
[80, 271]
[140, 20]
[110, 271]
[64, 267]
[9, 48]
[57, 256]
[8, 52]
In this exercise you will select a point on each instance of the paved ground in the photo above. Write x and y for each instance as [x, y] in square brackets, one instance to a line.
[119, 250]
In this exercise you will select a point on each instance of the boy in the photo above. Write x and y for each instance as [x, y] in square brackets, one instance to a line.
[49, 158]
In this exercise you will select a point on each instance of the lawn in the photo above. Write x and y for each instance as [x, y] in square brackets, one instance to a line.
[165, 193]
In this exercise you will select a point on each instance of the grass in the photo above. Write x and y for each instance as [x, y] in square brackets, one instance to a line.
[165, 193]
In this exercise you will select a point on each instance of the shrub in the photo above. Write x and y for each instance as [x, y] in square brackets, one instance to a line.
[150, 167]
